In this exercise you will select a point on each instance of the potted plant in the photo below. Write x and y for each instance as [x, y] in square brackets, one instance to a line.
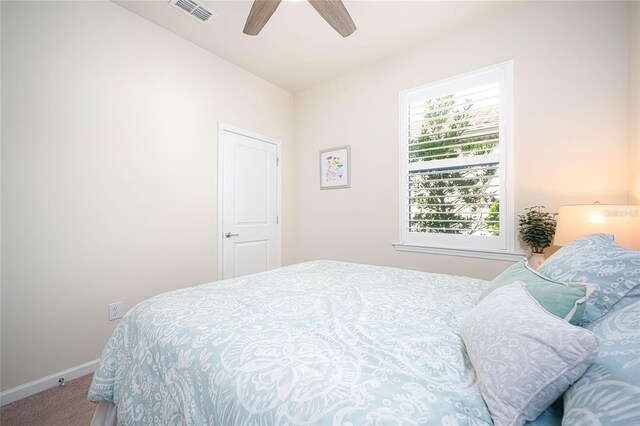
[537, 229]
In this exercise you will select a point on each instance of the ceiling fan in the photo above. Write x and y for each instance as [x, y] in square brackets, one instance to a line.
[333, 11]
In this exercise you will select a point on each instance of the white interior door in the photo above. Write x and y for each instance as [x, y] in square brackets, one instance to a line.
[250, 234]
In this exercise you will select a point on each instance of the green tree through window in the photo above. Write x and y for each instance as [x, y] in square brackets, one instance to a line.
[460, 199]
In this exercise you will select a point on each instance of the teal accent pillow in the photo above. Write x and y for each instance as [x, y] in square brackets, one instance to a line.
[564, 300]
[596, 259]
[608, 393]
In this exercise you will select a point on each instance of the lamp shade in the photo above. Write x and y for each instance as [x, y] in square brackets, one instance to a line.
[623, 221]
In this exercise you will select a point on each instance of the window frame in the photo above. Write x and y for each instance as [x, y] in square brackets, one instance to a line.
[498, 247]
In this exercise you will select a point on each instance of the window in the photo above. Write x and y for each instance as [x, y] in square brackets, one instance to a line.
[455, 157]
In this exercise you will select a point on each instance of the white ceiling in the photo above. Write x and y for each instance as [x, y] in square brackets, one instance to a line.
[297, 48]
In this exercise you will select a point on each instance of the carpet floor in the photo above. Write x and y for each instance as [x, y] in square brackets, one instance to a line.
[60, 406]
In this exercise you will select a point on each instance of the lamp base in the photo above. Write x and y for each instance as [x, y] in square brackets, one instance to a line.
[536, 259]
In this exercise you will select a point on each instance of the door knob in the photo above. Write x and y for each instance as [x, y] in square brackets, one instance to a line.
[229, 235]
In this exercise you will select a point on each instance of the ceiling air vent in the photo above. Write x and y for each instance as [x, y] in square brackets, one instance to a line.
[194, 9]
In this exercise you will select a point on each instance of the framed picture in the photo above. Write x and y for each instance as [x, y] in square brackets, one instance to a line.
[335, 168]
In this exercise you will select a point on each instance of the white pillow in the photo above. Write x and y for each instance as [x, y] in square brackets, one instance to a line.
[523, 356]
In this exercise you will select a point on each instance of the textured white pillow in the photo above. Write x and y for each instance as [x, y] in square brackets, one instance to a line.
[523, 356]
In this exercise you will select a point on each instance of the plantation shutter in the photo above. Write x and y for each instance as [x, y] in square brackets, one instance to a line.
[454, 171]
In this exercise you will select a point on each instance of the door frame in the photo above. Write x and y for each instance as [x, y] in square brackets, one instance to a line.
[223, 127]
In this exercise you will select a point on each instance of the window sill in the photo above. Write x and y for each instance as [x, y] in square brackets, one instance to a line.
[482, 254]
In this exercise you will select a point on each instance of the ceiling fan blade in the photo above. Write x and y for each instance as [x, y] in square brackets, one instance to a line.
[261, 11]
[334, 12]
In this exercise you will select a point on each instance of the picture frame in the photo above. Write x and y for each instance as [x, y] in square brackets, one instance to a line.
[335, 167]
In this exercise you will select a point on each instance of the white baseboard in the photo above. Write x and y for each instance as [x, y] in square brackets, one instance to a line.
[28, 389]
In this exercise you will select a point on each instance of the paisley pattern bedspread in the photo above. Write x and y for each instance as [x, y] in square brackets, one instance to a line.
[315, 343]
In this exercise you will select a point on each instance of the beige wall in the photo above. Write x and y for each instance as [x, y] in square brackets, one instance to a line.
[570, 70]
[634, 103]
[109, 154]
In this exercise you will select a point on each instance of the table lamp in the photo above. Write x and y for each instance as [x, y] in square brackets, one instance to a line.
[623, 221]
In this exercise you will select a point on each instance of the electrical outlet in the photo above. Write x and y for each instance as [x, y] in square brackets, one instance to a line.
[115, 311]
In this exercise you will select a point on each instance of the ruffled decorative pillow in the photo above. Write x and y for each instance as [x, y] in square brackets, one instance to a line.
[523, 356]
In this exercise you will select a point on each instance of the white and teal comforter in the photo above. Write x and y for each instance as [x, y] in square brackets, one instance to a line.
[315, 343]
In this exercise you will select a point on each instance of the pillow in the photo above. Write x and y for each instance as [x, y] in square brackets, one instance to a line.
[566, 301]
[523, 356]
[609, 392]
[632, 297]
[596, 259]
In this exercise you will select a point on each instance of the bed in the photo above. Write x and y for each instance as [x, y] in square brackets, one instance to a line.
[328, 342]
[320, 342]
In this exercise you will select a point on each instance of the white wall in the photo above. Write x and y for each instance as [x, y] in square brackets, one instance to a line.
[634, 103]
[570, 64]
[109, 154]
